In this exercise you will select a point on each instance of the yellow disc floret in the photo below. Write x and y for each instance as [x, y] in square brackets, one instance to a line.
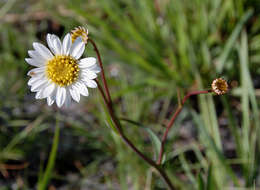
[63, 70]
[79, 32]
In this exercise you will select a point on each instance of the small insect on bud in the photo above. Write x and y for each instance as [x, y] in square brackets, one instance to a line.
[79, 32]
[219, 86]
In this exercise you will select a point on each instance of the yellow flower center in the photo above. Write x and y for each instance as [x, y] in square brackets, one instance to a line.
[63, 70]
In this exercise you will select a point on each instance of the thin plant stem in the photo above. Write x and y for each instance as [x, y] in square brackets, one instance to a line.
[173, 118]
[108, 102]
[51, 162]
[102, 71]
[130, 144]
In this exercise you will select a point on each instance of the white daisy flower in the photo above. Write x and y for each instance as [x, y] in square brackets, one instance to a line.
[60, 75]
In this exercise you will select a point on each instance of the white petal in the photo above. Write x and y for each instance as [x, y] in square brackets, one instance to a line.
[39, 94]
[48, 90]
[87, 62]
[35, 55]
[60, 96]
[50, 42]
[40, 84]
[50, 101]
[34, 80]
[57, 45]
[84, 91]
[52, 97]
[36, 71]
[66, 44]
[68, 99]
[82, 88]
[95, 68]
[88, 74]
[74, 94]
[42, 50]
[91, 83]
[77, 48]
[34, 62]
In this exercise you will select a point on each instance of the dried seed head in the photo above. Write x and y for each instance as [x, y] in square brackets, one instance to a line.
[219, 86]
[79, 32]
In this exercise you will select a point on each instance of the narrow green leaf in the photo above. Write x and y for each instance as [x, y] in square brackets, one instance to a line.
[154, 138]
[200, 182]
[231, 41]
[187, 169]
[109, 121]
[210, 179]
[156, 143]
[43, 183]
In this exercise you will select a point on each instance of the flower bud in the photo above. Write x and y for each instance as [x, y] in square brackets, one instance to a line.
[79, 32]
[219, 86]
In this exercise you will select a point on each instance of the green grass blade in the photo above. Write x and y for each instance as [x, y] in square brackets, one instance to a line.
[154, 138]
[214, 154]
[156, 143]
[51, 162]
[187, 169]
[210, 180]
[231, 41]
[248, 96]
[200, 182]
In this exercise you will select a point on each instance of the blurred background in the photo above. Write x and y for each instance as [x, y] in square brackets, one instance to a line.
[151, 50]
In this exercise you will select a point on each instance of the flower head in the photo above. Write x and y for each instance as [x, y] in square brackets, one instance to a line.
[219, 86]
[60, 75]
[79, 32]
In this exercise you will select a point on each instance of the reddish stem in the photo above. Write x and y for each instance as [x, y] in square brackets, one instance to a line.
[102, 71]
[129, 143]
[109, 105]
[173, 118]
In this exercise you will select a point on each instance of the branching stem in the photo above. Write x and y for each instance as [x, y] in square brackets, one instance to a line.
[129, 143]
[173, 118]
[109, 104]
